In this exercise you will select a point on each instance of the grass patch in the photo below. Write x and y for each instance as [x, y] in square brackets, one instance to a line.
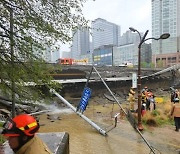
[160, 116]
[1, 124]
[2, 139]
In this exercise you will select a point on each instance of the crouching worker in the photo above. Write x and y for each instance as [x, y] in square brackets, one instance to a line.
[20, 133]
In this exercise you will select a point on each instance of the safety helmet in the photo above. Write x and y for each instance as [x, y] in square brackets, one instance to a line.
[21, 124]
[132, 88]
[176, 100]
[150, 94]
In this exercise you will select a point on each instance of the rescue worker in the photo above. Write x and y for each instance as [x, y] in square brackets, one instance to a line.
[146, 91]
[151, 101]
[20, 133]
[176, 95]
[172, 94]
[175, 112]
[131, 98]
[143, 99]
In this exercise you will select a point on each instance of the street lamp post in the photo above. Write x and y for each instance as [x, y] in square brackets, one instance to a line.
[142, 40]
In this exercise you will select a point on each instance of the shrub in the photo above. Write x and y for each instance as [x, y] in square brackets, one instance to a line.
[160, 116]
[155, 113]
[2, 139]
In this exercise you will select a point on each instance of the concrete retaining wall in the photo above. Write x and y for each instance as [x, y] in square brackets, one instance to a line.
[58, 143]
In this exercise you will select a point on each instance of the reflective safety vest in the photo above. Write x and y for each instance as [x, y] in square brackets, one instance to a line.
[143, 97]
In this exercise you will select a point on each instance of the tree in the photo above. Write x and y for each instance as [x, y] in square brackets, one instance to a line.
[159, 63]
[27, 27]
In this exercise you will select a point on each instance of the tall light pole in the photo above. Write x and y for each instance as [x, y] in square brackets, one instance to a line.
[142, 40]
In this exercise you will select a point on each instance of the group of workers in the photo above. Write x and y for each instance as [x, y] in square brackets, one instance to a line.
[147, 99]
[148, 103]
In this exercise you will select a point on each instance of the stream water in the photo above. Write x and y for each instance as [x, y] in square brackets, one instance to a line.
[84, 139]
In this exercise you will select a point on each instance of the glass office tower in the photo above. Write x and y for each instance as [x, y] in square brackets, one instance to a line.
[105, 33]
[166, 19]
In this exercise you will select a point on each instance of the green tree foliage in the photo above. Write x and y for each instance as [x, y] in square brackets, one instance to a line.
[147, 65]
[159, 63]
[152, 65]
[144, 64]
[27, 27]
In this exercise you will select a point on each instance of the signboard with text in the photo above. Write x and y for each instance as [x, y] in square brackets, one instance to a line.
[134, 80]
[84, 100]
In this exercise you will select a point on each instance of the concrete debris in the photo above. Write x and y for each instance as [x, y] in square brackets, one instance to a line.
[53, 117]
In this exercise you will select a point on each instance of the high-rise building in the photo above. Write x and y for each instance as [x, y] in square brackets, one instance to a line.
[166, 19]
[50, 55]
[65, 54]
[127, 52]
[80, 43]
[105, 33]
[128, 38]
[103, 55]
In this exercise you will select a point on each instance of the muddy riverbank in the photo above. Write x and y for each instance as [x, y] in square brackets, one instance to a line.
[122, 139]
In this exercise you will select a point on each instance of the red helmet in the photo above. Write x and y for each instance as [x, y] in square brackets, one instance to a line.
[23, 123]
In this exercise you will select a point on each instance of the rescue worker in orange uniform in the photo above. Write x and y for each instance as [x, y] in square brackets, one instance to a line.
[146, 90]
[20, 133]
[131, 98]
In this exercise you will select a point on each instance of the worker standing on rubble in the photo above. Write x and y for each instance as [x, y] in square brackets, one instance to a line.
[131, 98]
[20, 133]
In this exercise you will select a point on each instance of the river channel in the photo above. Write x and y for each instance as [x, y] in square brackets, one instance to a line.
[84, 139]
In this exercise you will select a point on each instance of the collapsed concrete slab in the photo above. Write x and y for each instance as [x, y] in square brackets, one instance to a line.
[58, 143]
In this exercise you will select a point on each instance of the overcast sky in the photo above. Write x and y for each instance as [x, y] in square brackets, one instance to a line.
[125, 13]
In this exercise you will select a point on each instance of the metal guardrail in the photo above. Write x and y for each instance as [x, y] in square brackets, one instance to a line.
[175, 67]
